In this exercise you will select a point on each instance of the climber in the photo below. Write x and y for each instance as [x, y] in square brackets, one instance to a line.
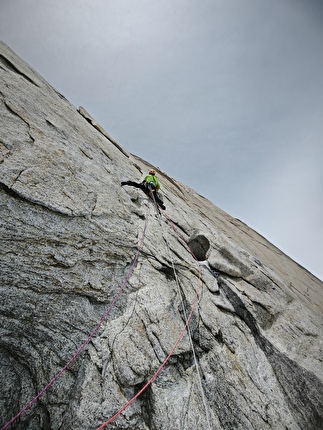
[151, 182]
[150, 186]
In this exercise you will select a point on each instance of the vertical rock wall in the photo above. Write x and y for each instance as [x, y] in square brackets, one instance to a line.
[252, 358]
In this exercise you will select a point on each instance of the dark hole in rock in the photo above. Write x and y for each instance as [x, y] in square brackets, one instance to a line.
[199, 245]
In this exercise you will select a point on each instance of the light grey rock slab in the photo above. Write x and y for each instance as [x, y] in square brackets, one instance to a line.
[252, 358]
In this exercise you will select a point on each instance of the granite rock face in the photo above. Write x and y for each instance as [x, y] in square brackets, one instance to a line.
[252, 358]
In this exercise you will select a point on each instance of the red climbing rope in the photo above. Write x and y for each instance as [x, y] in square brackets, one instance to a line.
[159, 369]
[175, 345]
[93, 332]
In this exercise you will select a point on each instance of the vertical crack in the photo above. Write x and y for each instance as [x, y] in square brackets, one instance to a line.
[302, 389]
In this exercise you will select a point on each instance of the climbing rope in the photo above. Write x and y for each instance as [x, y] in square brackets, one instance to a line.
[185, 316]
[81, 348]
[186, 327]
[153, 198]
[160, 367]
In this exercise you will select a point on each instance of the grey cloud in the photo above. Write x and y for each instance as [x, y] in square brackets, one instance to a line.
[225, 96]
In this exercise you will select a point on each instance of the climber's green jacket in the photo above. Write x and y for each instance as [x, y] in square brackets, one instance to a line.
[152, 179]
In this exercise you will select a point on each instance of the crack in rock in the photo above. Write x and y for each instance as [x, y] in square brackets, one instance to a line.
[302, 389]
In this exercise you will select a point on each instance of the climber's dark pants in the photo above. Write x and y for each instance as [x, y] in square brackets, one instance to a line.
[134, 184]
[146, 187]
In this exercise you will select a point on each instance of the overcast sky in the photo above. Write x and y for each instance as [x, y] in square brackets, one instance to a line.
[225, 96]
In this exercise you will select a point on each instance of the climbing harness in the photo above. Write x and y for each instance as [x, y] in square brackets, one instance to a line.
[94, 331]
[186, 327]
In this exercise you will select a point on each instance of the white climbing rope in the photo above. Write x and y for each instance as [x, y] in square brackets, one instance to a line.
[188, 328]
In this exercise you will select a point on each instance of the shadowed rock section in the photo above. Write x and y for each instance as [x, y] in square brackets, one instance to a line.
[300, 387]
[199, 244]
[69, 236]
